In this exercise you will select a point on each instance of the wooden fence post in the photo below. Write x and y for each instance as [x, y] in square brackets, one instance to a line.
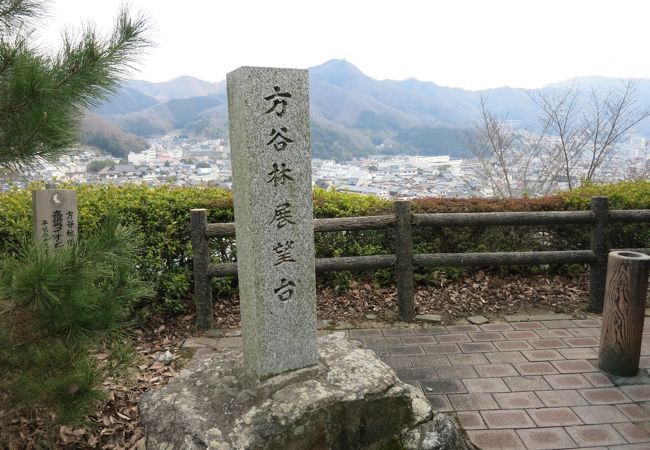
[624, 311]
[201, 260]
[404, 254]
[599, 245]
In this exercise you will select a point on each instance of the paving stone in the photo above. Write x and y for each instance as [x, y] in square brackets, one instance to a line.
[455, 372]
[416, 373]
[495, 439]
[431, 330]
[453, 338]
[507, 346]
[472, 402]
[470, 420]
[567, 381]
[594, 414]
[643, 446]
[569, 397]
[597, 379]
[439, 403]
[535, 368]
[518, 400]
[380, 350]
[496, 370]
[549, 317]
[604, 396]
[637, 393]
[558, 324]
[398, 331]
[632, 432]
[463, 328]
[554, 417]
[511, 418]
[585, 435]
[483, 336]
[485, 385]
[499, 326]
[361, 333]
[517, 318]
[435, 349]
[418, 339]
[517, 334]
[477, 320]
[229, 342]
[528, 383]
[587, 323]
[528, 326]
[542, 355]
[396, 361]
[373, 341]
[442, 387]
[544, 344]
[545, 438]
[465, 359]
[582, 342]
[505, 357]
[644, 362]
[634, 412]
[574, 366]
[429, 318]
[553, 333]
[404, 350]
[199, 342]
[429, 361]
[476, 347]
[578, 353]
[584, 332]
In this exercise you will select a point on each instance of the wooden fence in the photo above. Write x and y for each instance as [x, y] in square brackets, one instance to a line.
[403, 221]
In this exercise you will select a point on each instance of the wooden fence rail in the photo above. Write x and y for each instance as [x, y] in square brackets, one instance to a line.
[405, 261]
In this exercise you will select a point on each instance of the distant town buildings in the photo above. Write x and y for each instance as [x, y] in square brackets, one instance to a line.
[181, 161]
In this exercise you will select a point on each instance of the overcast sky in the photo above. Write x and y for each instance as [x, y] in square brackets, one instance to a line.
[471, 44]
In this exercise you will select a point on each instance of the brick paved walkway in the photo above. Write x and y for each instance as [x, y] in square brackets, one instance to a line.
[521, 385]
[517, 385]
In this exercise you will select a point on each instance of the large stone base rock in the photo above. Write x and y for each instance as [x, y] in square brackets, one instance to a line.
[350, 400]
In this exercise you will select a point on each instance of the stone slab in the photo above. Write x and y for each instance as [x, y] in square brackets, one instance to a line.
[431, 318]
[350, 400]
[477, 320]
[272, 193]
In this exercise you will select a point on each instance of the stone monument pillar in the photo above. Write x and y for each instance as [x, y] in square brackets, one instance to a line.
[271, 164]
[268, 396]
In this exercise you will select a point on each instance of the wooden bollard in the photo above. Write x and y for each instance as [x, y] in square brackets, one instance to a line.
[623, 313]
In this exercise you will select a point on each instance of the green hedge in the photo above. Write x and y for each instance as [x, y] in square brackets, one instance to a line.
[161, 214]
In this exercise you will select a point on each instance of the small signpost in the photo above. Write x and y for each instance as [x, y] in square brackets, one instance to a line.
[54, 216]
[271, 164]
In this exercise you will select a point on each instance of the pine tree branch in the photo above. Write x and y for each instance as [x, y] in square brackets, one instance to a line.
[42, 98]
[16, 13]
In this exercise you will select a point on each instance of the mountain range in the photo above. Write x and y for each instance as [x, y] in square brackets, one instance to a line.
[352, 114]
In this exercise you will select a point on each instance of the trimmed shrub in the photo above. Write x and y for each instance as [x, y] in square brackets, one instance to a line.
[161, 217]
